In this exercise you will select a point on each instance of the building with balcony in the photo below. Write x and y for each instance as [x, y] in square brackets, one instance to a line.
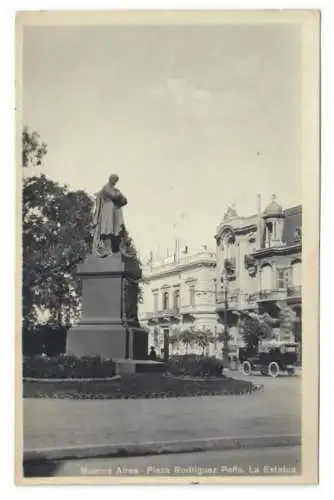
[259, 265]
[179, 294]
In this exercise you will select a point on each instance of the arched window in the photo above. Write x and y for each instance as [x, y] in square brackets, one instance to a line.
[266, 277]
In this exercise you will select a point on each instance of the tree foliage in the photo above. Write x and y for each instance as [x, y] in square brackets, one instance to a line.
[56, 223]
[33, 150]
[187, 337]
[173, 340]
[221, 336]
[203, 338]
[253, 329]
[129, 248]
[55, 237]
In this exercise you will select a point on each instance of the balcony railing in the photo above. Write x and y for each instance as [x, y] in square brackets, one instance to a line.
[252, 298]
[241, 300]
[232, 299]
[273, 294]
[171, 263]
[156, 315]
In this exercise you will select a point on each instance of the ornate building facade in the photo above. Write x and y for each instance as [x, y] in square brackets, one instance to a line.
[259, 264]
[179, 293]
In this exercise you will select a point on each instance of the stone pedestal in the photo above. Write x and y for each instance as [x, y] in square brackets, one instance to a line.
[108, 326]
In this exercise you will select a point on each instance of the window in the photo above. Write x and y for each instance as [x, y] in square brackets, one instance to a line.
[176, 300]
[155, 301]
[192, 295]
[282, 278]
[269, 230]
[266, 277]
[165, 301]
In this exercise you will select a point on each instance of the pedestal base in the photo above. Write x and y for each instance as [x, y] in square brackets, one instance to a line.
[107, 341]
[128, 366]
[108, 326]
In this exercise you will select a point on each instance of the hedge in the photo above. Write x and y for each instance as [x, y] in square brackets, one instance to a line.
[67, 367]
[47, 339]
[195, 366]
[138, 386]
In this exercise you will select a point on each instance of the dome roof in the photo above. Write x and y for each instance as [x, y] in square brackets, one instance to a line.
[273, 209]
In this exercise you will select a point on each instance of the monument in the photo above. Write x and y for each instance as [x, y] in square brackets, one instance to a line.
[110, 275]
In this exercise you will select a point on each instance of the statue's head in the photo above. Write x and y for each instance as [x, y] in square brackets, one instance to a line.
[113, 179]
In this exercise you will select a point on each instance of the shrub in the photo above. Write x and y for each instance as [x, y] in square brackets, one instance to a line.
[44, 338]
[67, 367]
[195, 366]
[137, 385]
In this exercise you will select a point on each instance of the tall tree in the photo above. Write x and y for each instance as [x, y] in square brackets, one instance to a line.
[56, 225]
[55, 237]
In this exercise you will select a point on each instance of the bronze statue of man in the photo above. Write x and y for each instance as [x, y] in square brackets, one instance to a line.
[108, 221]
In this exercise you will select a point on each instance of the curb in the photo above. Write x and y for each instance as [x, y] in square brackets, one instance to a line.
[86, 396]
[64, 380]
[157, 448]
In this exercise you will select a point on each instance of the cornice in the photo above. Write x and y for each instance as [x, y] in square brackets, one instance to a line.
[228, 228]
[192, 312]
[273, 251]
[179, 269]
[246, 229]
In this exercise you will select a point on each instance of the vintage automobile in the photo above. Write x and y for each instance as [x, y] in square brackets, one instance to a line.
[270, 358]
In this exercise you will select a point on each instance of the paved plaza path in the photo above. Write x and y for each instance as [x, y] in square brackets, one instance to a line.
[59, 423]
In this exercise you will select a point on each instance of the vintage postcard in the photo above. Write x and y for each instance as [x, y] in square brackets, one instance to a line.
[168, 180]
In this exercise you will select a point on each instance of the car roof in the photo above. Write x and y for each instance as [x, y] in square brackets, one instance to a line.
[277, 343]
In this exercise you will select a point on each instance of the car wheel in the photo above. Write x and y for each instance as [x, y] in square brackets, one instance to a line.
[246, 368]
[273, 369]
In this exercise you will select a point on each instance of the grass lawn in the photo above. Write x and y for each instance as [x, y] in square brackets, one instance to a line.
[145, 385]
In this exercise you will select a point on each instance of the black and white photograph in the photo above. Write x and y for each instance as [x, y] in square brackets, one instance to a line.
[168, 193]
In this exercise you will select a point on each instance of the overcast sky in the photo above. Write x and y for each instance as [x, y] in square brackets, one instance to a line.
[191, 118]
